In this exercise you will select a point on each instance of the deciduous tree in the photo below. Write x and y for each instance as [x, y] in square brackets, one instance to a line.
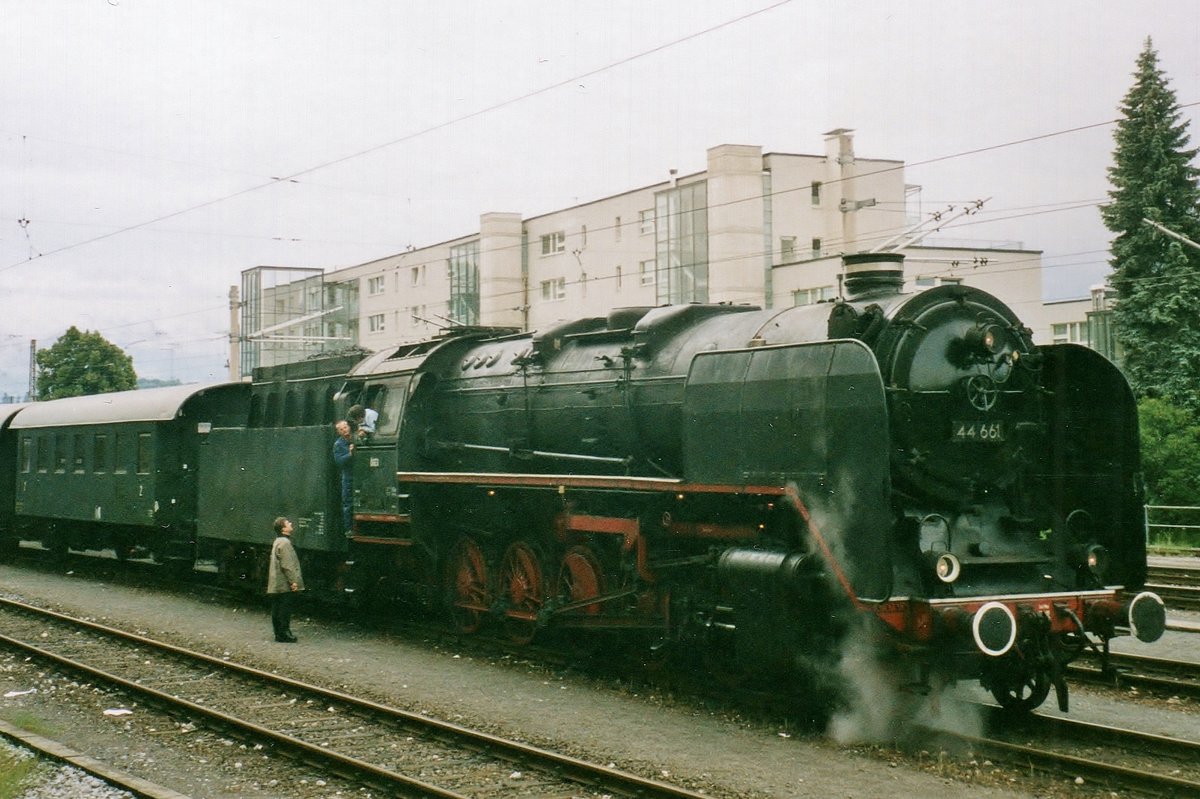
[82, 363]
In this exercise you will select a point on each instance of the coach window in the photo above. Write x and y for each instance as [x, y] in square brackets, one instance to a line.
[291, 408]
[120, 453]
[26, 454]
[79, 450]
[271, 413]
[310, 407]
[60, 452]
[100, 453]
[143, 453]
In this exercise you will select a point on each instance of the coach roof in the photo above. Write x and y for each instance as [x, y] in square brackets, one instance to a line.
[144, 405]
[8, 411]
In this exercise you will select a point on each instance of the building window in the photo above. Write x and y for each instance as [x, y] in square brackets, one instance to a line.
[1069, 332]
[812, 296]
[681, 243]
[583, 236]
[417, 314]
[617, 228]
[618, 283]
[646, 221]
[816, 248]
[376, 323]
[416, 276]
[464, 283]
[375, 285]
[787, 249]
[646, 273]
[555, 289]
[554, 242]
[816, 192]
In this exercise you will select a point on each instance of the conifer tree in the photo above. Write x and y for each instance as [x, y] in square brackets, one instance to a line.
[1156, 276]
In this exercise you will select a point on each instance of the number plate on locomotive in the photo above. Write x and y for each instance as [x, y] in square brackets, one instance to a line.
[976, 430]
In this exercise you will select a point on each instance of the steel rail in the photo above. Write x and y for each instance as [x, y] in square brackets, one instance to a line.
[337, 763]
[1059, 763]
[580, 770]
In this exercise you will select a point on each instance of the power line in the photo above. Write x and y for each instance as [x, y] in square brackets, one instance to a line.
[629, 59]
[409, 137]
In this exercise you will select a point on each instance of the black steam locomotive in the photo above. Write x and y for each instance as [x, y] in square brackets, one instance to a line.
[754, 484]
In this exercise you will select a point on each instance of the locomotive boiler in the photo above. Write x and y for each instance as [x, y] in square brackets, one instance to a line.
[759, 482]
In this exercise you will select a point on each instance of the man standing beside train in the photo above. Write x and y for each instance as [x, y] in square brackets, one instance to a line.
[343, 456]
[283, 580]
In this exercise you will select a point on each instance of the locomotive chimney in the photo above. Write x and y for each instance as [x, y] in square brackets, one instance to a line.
[873, 273]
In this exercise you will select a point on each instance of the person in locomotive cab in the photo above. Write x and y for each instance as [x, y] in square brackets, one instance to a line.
[343, 457]
[363, 420]
[283, 580]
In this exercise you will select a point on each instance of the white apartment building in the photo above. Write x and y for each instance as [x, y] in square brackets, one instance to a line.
[760, 228]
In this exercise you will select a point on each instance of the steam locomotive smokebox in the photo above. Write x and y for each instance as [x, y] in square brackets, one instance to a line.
[769, 591]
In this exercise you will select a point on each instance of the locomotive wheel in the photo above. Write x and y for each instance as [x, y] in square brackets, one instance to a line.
[521, 583]
[580, 577]
[468, 577]
[1020, 692]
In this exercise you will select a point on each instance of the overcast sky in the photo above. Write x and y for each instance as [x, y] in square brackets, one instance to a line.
[141, 140]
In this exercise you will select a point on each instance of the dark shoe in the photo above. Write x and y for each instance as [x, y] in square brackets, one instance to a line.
[291, 639]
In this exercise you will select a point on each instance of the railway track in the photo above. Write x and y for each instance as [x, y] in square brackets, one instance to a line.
[1084, 752]
[354, 739]
[1178, 585]
[1160, 676]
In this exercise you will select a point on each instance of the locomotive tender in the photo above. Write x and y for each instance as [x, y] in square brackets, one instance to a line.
[754, 482]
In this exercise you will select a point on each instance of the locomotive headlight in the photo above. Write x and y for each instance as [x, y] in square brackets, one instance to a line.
[985, 339]
[1093, 557]
[946, 567]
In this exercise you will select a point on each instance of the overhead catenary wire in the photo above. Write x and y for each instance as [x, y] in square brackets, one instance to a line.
[1033, 264]
[272, 181]
[423, 132]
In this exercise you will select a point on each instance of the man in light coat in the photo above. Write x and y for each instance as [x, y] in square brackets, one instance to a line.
[283, 580]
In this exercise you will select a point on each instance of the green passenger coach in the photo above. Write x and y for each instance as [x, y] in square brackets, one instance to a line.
[117, 470]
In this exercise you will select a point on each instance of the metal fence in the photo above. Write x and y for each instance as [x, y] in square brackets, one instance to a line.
[1170, 527]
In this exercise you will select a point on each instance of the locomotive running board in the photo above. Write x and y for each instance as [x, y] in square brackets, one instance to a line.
[583, 481]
